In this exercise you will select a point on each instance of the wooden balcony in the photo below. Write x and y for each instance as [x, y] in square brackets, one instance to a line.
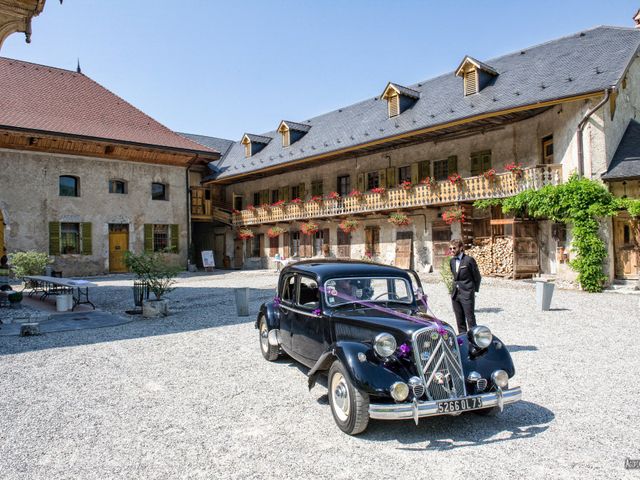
[205, 209]
[445, 193]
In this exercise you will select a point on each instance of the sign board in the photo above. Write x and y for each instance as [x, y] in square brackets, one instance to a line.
[207, 259]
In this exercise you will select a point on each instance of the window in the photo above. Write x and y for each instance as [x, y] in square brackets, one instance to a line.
[345, 290]
[295, 192]
[275, 196]
[274, 246]
[547, 150]
[159, 191]
[237, 202]
[69, 186]
[316, 188]
[344, 185]
[295, 244]
[256, 199]
[393, 103]
[309, 296]
[69, 238]
[318, 239]
[160, 237]
[424, 170]
[373, 180]
[117, 186]
[404, 174]
[255, 245]
[480, 162]
[288, 293]
[247, 149]
[372, 241]
[441, 169]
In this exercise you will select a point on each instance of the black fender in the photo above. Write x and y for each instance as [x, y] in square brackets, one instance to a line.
[271, 313]
[370, 376]
[485, 362]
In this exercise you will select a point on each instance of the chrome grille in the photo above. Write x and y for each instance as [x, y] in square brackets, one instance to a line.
[438, 358]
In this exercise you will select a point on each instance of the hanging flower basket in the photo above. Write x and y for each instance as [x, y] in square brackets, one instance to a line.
[245, 234]
[490, 174]
[430, 182]
[379, 190]
[355, 194]
[515, 169]
[399, 219]
[274, 232]
[406, 185]
[333, 196]
[279, 203]
[453, 215]
[296, 201]
[348, 226]
[455, 179]
[309, 228]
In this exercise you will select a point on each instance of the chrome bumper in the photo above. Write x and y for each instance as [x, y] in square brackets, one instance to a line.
[415, 410]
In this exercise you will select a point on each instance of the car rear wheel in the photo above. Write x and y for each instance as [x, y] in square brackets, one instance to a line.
[349, 406]
[269, 352]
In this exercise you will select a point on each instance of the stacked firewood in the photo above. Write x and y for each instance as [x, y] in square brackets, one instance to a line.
[493, 256]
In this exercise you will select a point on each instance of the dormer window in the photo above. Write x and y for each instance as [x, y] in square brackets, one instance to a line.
[399, 98]
[253, 143]
[476, 75]
[292, 132]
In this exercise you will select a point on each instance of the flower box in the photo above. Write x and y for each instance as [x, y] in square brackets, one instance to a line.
[399, 219]
[453, 215]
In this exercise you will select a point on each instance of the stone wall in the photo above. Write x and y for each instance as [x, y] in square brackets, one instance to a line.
[29, 199]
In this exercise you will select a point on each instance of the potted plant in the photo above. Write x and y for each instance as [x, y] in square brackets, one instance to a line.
[245, 234]
[333, 196]
[455, 179]
[490, 175]
[316, 199]
[355, 193]
[430, 182]
[453, 215]
[406, 185]
[379, 190]
[14, 299]
[309, 228]
[399, 219]
[274, 232]
[279, 203]
[348, 226]
[158, 274]
[515, 168]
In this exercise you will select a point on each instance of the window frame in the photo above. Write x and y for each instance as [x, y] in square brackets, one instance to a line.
[165, 191]
[298, 289]
[78, 233]
[76, 186]
[444, 162]
[347, 185]
[113, 182]
[375, 242]
[544, 142]
[371, 175]
[168, 237]
[317, 188]
[295, 289]
[407, 177]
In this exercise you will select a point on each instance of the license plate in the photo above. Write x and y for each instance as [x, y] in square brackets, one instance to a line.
[452, 406]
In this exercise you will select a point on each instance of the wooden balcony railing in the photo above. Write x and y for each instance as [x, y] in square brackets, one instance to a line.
[471, 189]
[207, 209]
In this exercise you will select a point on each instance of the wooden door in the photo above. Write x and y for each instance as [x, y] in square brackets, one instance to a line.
[404, 249]
[625, 253]
[218, 250]
[238, 257]
[118, 244]
[344, 244]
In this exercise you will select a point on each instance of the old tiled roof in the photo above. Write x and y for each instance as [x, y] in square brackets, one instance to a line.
[41, 98]
[221, 145]
[625, 163]
[581, 63]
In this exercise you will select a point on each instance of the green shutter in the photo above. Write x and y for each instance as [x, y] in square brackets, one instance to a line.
[476, 165]
[264, 196]
[453, 164]
[486, 161]
[424, 170]
[301, 191]
[54, 238]
[391, 178]
[175, 238]
[382, 177]
[281, 193]
[415, 173]
[361, 186]
[87, 239]
[148, 237]
[286, 194]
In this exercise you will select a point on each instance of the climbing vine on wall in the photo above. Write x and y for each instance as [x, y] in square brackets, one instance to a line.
[579, 202]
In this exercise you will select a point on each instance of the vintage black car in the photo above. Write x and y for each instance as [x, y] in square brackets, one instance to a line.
[366, 327]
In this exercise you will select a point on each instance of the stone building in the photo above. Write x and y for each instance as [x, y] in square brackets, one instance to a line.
[489, 129]
[86, 176]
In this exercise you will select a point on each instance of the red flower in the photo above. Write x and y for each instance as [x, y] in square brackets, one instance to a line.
[406, 185]
[379, 190]
[316, 198]
[333, 196]
[251, 208]
[279, 203]
[455, 179]
[296, 201]
[453, 215]
[355, 193]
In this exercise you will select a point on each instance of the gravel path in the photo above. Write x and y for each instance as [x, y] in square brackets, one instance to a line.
[190, 396]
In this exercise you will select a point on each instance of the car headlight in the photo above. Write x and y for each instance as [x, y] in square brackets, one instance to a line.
[500, 378]
[399, 391]
[384, 345]
[481, 336]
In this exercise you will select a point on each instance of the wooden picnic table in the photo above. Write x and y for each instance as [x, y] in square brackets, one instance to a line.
[51, 286]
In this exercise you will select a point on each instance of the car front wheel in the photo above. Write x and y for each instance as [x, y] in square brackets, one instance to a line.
[269, 352]
[349, 406]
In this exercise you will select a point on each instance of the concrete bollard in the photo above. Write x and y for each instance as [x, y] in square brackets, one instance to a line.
[29, 329]
[242, 302]
[544, 292]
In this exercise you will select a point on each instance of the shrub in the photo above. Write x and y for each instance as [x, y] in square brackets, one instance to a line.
[446, 275]
[154, 270]
[29, 263]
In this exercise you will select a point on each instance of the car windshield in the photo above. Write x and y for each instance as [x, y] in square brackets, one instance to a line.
[342, 291]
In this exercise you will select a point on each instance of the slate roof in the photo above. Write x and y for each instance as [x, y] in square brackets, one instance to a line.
[259, 138]
[41, 98]
[221, 145]
[407, 92]
[483, 66]
[625, 163]
[300, 127]
[584, 62]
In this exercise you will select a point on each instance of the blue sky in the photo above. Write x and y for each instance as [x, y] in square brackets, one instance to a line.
[224, 68]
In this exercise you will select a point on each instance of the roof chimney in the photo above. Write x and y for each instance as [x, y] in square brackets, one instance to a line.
[636, 19]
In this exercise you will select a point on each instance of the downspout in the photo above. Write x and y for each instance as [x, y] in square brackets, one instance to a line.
[583, 123]
[189, 165]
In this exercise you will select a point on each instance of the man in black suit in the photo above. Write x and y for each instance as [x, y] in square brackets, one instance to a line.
[466, 279]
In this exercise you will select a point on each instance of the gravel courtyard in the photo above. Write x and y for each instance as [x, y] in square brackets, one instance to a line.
[190, 396]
